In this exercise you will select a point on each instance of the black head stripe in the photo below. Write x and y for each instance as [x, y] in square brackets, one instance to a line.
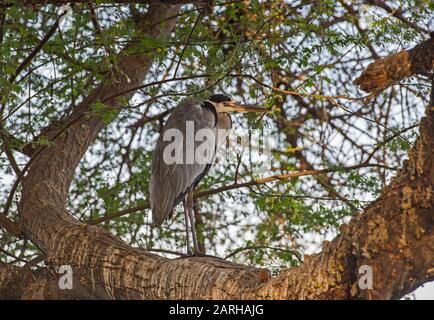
[220, 98]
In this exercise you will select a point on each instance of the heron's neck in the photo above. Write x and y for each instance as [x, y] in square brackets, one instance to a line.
[224, 123]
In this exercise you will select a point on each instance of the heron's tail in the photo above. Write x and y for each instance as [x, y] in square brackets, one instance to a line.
[157, 218]
[161, 210]
[161, 200]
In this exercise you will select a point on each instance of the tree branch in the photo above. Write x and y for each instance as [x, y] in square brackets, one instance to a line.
[42, 284]
[397, 13]
[387, 71]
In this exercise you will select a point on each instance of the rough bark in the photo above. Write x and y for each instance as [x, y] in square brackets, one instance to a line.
[394, 235]
[385, 72]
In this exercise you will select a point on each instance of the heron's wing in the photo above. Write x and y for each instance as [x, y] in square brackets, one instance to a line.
[170, 182]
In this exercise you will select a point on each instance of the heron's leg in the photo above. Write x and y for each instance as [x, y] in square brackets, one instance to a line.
[186, 226]
[192, 221]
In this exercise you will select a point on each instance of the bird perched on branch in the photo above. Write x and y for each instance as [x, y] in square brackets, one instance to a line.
[184, 153]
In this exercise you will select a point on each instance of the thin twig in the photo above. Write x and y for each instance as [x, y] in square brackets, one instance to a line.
[188, 41]
[12, 256]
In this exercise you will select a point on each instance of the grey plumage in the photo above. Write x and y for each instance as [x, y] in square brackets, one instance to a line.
[170, 182]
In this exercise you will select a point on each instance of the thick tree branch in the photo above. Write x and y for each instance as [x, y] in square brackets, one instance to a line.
[387, 71]
[42, 284]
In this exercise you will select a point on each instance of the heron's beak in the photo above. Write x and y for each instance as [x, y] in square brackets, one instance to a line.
[233, 107]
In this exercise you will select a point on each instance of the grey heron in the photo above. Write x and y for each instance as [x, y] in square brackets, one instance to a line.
[174, 181]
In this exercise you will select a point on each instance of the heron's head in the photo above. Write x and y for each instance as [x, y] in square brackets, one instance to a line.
[225, 103]
[220, 97]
